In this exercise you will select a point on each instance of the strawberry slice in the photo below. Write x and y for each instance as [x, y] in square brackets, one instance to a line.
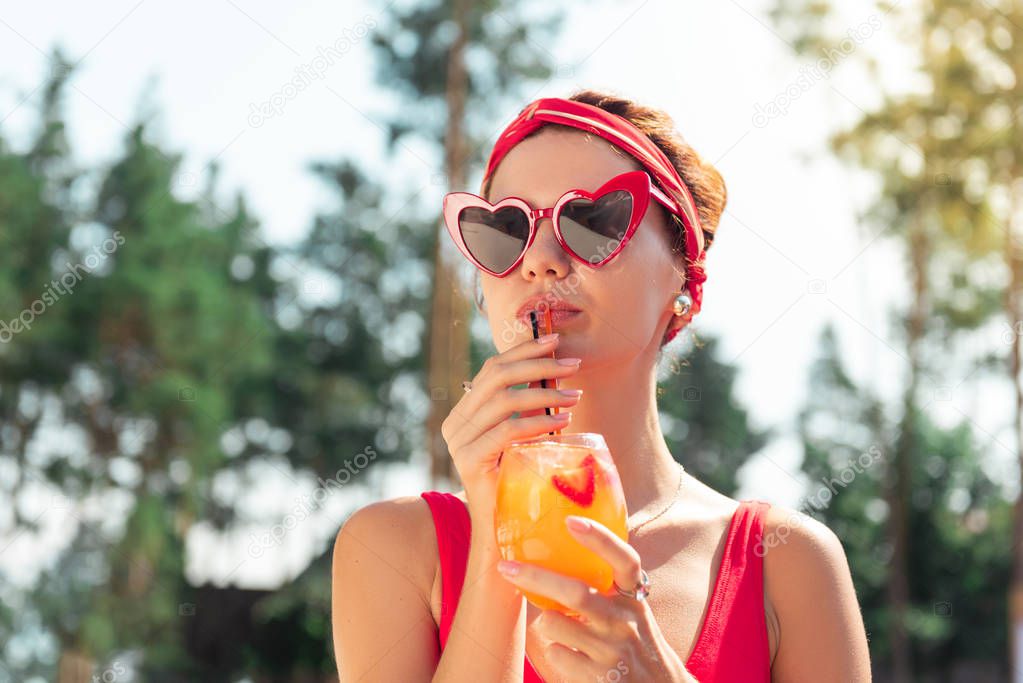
[577, 484]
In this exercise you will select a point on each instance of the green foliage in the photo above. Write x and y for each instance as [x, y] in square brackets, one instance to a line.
[958, 520]
[365, 344]
[945, 154]
[509, 48]
[139, 332]
[704, 425]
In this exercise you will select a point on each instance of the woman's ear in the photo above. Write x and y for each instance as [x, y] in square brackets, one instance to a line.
[674, 327]
[678, 322]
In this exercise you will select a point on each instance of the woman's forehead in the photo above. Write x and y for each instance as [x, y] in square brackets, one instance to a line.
[543, 167]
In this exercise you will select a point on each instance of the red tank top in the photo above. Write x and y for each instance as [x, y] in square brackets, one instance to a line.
[731, 646]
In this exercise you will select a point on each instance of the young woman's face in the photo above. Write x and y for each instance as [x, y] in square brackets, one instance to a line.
[626, 303]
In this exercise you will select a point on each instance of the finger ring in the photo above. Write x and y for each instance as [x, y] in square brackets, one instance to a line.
[641, 590]
[467, 386]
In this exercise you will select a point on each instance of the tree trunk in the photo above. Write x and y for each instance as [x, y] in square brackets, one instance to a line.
[74, 667]
[1014, 315]
[900, 486]
[448, 340]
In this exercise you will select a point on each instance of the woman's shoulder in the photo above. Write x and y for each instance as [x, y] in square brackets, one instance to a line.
[791, 535]
[398, 531]
[809, 585]
[794, 542]
[405, 522]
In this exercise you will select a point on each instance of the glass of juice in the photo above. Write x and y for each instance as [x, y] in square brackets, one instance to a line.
[544, 479]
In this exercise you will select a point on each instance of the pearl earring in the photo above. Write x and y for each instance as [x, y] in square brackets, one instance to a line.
[683, 302]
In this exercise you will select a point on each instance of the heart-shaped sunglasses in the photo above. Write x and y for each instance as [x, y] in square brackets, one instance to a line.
[592, 228]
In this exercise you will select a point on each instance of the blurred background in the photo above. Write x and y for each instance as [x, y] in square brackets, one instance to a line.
[229, 318]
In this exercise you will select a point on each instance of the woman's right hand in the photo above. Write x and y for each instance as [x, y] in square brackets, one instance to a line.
[480, 424]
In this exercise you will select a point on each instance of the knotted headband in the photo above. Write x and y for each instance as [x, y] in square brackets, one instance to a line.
[623, 134]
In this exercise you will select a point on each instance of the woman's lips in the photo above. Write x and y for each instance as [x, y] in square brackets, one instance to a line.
[558, 315]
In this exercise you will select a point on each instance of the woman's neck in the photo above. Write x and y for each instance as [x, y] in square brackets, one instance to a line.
[620, 403]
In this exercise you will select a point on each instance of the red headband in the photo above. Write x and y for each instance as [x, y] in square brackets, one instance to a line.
[622, 133]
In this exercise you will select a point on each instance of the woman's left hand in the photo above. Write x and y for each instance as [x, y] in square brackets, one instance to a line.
[615, 632]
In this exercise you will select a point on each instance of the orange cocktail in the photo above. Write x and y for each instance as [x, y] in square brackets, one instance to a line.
[542, 481]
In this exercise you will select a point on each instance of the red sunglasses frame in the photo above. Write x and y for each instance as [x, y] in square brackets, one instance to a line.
[637, 183]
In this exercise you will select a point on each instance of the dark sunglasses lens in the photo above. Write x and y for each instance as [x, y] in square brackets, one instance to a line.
[594, 229]
[494, 238]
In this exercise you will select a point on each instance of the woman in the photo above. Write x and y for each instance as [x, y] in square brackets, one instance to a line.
[738, 590]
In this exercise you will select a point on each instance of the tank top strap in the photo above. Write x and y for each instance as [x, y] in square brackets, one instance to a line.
[454, 532]
[733, 644]
[453, 526]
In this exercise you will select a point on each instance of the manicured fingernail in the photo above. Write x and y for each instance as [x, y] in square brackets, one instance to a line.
[571, 392]
[508, 567]
[577, 524]
[569, 361]
[546, 338]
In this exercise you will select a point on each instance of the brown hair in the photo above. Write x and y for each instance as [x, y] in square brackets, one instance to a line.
[703, 180]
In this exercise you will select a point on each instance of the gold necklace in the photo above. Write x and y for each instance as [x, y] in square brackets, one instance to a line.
[681, 475]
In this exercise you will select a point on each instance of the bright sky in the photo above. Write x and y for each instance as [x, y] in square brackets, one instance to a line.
[789, 256]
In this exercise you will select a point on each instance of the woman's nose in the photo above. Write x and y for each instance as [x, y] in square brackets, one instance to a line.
[545, 255]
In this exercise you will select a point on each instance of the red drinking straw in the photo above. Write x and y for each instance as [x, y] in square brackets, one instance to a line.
[548, 328]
